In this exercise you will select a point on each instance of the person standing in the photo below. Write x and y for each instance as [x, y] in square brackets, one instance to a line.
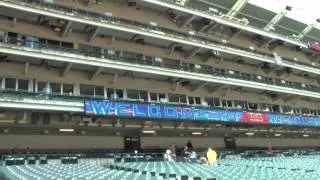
[212, 157]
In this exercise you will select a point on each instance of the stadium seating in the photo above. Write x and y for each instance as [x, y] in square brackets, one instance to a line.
[69, 171]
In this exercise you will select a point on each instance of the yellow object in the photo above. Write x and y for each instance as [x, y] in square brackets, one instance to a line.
[212, 156]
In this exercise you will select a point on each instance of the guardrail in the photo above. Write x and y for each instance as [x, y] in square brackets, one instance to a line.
[135, 27]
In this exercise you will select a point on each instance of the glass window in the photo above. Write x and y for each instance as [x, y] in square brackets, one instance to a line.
[191, 100]
[275, 108]
[253, 106]
[209, 100]
[144, 95]
[216, 102]
[67, 89]
[42, 86]
[287, 109]
[224, 103]
[161, 96]
[23, 84]
[229, 103]
[132, 94]
[173, 98]
[153, 96]
[86, 90]
[305, 111]
[99, 91]
[119, 93]
[110, 92]
[197, 100]
[183, 99]
[55, 88]
[10, 83]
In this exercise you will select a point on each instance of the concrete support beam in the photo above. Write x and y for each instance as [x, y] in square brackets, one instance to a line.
[96, 73]
[115, 79]
[14, 20]
[188, 20]
[66, 69]
[218, 88]
[177, 86]
[26, 68]
[172, 47]
[198, 86]
[94, 34]
[66, 29]
[305, 31]
[192, 53]
[277, 18]
[237, 6]
[208, 28]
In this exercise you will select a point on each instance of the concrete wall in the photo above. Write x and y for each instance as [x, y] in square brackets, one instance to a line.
[105, 142]
[59, 142]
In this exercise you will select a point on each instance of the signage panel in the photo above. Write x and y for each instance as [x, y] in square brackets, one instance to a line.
[170, 112]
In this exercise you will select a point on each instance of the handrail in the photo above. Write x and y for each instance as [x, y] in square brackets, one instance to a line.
[159, 32]
[137, 58]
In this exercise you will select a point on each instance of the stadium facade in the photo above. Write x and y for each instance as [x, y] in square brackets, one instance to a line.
[87, 73]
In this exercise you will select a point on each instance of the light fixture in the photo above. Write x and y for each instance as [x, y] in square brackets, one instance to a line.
[249, 133]
[66, 130]
[277, 135]
[196, 133]
[148, 131]
[305, 135]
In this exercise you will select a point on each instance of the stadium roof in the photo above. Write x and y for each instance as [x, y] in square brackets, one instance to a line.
[301, 16]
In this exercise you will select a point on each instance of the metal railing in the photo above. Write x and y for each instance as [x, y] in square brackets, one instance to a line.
[196, 38]
[135, 58]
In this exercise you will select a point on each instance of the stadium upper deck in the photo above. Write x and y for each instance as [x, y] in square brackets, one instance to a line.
[56, 50]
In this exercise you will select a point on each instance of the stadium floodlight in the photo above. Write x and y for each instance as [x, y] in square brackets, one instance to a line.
[66, 130]
[196, 133]
[277, 135]
[249, 133]
[148, 131]
[305, 135]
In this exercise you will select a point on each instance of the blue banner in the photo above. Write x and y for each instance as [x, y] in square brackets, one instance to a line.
[160, 111]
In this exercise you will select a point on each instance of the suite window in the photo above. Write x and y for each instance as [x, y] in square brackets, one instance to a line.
[119, 93]
[253, 106]
[287, 109]
[67, 89]
[110, 92]
[209, 100]
[183, 99]
[132, 94]
[55, 88]
[216, 102]
[144, 95]
[10, 83]
[224, 103]
[42, 86]
[275, 108]
[23, 84]
[173, 98]
[99, 91]
[162, 96]
[296, 111]
[153, 96]
[191, 100]
[197, 100]
[86, 90]
[305, 111]
[229, 103]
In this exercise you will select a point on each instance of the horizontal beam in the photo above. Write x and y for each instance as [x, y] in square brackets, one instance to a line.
[159, 35]
[60, 56]
[220, 20]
